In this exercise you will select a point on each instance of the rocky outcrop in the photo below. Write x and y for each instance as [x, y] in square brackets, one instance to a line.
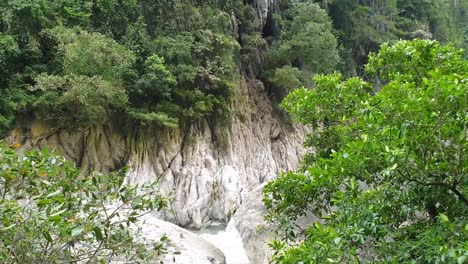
[206, 169]
[264, 9]
[228, 240]
[183, 246]
[255, 232]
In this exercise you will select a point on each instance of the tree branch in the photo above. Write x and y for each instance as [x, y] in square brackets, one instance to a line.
[452, 188]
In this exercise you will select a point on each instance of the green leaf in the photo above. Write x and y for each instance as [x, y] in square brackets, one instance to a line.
[337, 240]
[48, 183]
[8, 227]
[44, 202]
[97, 233]
[58, 213]
[364, 137]
[47, 236]
[54, 193]
[444, 218]
[461, 259]
[54, 218]
[77, 230]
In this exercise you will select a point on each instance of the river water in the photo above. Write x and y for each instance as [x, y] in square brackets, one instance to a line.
[228, 240]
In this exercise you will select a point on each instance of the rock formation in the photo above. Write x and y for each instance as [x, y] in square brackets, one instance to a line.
[183, 246]
[207, 169]
[254, 231]
[264, 8]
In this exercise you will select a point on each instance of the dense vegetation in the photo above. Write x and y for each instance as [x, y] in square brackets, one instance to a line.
[387, 178]
[387, 175]
[51, 214]
[78, 63]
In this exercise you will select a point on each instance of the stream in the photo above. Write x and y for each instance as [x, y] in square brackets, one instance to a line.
[228, 240]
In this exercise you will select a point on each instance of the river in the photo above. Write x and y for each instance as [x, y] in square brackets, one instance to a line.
[228, 240]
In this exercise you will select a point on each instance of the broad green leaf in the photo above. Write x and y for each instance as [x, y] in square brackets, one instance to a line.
[461, 259]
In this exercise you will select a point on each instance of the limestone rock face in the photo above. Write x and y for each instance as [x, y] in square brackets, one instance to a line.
[183, 247]
[264, 8]
[255, 232]
[248, 220]
[206, 169]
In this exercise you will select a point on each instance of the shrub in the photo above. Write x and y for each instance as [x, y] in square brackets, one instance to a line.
[52, 214]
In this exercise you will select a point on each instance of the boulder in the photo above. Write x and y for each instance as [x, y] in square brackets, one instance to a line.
[184, 246]
[254, 231]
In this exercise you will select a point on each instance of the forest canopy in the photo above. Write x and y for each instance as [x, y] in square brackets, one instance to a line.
[382, 84]
[79, 63]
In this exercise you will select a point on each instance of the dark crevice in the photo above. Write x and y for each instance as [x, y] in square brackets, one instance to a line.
[270, 30]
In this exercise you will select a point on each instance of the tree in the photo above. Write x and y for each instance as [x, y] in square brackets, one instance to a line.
[77, 101]
[87, 85]
[307, 41]
[9, 52]
[90, 54]
[157, 82]
[285, 79]
[52, 214]
[388, 178]
[105, 46]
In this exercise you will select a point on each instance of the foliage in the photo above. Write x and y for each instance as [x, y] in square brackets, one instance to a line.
[157, 81]
[91, 54]
[75, 101]
[306, 46]
[9, 51]
[285, 79]
[158, 117]
[307, 41]
[363, 25]
[203, 67]
[204, 44]
[387, 179]
[113, 42]
[52, 214]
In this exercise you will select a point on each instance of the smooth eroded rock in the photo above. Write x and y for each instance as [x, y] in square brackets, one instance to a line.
[184, 246]
[206, 169]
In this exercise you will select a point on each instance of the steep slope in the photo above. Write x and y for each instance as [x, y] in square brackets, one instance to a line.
[206, 169]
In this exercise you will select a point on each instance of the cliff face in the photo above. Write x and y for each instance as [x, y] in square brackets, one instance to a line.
[264, 9]
[206, 169]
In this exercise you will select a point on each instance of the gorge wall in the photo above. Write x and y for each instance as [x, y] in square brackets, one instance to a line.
[206, 169]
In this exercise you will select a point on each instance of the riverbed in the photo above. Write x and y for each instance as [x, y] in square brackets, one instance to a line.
[228, 240]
